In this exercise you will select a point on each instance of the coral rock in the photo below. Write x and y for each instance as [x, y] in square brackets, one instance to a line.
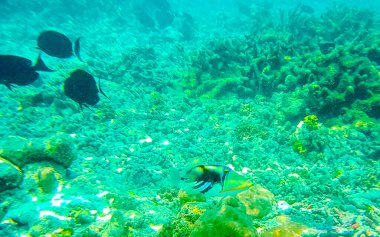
[10, 175]
[21, 151]
[47, 179]
[257, 201]
[190, 196]
[224, 221]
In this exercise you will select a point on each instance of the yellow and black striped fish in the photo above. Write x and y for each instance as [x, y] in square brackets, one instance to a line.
[206, 176]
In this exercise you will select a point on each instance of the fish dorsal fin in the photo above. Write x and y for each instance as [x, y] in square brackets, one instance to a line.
[40, 65]
[77, 49]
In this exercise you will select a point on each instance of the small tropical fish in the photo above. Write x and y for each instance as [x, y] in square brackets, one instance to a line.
[15, 70]
[58, 45]
[81, 87]
[206, 176]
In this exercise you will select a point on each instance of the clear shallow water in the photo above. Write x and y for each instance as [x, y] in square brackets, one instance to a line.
[285, 94]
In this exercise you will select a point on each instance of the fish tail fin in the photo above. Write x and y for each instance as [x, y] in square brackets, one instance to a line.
[41, 66]
[9, 86]
[77, 49]
[101, 91]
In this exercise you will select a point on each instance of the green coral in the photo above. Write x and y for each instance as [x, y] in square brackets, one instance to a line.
[311, 122]
[299, 147]
[219, 87]
[246, 109]
[66, 232]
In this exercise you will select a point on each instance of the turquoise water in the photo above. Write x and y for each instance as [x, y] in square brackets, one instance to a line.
[285, 93]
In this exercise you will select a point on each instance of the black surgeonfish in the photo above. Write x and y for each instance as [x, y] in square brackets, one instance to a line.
[153, 13]
[81, 87]
[15, 70]
[306, 9]
[206, 176]
[58, 45]
[326, 46]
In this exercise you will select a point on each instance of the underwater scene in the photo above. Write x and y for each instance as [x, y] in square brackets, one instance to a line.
[225, 118]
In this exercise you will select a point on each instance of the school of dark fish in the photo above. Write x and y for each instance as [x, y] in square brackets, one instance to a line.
[80, 86]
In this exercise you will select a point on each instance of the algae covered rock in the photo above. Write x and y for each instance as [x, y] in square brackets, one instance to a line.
[60, 149]
[186, 196]
[43, 177]
[14, 149]
[232, 216]
[288, 229]
[284, 227]
[47, 179]
[257, 201]
[183, 223]
[10, 175]
[224, 221]
[21, 151]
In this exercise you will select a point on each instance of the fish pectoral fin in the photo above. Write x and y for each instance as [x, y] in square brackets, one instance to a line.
[206, 187]
[203, 186]
[199, 184]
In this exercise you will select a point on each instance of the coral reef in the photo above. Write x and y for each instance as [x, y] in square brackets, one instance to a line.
[232, 216]
[287, 97]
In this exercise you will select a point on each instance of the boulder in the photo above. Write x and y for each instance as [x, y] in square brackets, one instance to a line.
[10, 175]
[21, 151]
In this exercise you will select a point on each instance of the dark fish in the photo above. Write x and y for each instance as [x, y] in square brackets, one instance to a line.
[243, 8]
[144, 18]
[15, 70]
[164, 18]
[58, 45]
[154, 13]
[163, 5]
[206, 176]
[306, 9]
[81, 87]
[326, 46]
